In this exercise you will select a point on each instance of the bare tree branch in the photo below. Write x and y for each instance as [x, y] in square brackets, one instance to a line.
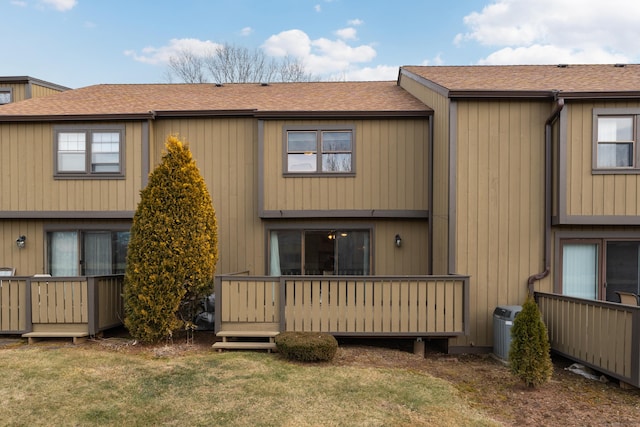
[188, 67]
[235, 64]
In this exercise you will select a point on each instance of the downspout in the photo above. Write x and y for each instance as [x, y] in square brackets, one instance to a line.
[547, 196]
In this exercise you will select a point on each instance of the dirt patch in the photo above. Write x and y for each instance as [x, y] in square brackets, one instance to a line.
[568, 399]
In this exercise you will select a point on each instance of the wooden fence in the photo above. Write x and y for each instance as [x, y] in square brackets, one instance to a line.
[60, 306]
[407, 306]
[602, 335]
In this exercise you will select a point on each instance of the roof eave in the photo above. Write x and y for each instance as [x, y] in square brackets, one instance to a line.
[501, 94]
[73, 117]
[601, 95]
[343, 114]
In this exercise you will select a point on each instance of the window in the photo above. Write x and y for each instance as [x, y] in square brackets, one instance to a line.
[616, 140]
[598, 268]
[87, 252]
[319, 252]
[5, 96]
[89, 152]
[318, 151]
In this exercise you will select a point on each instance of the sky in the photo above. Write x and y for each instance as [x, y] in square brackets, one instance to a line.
[78, 43]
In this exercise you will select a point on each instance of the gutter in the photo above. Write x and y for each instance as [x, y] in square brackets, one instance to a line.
[547, 196]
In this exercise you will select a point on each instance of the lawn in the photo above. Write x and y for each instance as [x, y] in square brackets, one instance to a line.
[60, 384]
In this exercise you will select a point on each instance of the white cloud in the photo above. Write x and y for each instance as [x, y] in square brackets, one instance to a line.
[317, 8]
[435, 61]
[321, 56]
[539, 54]
[378, 73]
[246, 31]
[161, 55]
[355, 22]
[61, 5]
[292, 42]
[347, 33]
[551, 31]
[19, 3]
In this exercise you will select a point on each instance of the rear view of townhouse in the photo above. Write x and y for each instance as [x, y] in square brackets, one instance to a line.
[411, 208]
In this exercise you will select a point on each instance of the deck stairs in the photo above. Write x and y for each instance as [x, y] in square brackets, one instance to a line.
[246, 340]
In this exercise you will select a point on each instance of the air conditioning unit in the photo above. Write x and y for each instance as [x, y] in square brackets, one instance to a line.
[503, 317]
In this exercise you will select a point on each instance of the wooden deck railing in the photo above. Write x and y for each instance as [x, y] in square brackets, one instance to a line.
[418, 306]
[602, 335]
[59, 305]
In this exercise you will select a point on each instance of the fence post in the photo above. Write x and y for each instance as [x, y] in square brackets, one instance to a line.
[92, 303]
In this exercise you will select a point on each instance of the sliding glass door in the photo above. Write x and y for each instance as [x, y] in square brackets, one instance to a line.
[319, 252]
[598, 268]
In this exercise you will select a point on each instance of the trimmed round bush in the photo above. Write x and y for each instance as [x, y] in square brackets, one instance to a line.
[307, 346]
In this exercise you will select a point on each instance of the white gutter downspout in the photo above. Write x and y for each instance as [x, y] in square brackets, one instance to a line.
[547, 196]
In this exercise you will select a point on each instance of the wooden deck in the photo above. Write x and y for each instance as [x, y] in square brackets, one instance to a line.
[403, 306]
[73, 307]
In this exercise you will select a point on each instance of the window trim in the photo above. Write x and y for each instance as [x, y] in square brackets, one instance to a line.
[318, 129]
[89, 130]
[634, 113]
[8, 90]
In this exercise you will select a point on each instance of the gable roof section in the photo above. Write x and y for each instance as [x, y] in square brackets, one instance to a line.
[128, 101]
[568, 81]
[30, 80]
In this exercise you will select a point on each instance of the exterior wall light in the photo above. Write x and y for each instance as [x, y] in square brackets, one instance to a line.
[21, 241]
[398, 240]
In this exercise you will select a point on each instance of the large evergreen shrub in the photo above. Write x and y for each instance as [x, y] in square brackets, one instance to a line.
[529, 356]
[172, 252]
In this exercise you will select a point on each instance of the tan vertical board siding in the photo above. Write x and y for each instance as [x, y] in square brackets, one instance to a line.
[38, 91]
[440, 208]
[18, 91]
[225, 151]
[27, 261]
[500, 205]
[391, 170]
[601, 194]
[27, 174]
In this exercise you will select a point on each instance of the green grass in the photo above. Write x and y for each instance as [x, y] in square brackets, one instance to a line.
[88, 385]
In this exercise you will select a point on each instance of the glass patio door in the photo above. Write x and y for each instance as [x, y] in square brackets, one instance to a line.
[580, 270]
[622, 268]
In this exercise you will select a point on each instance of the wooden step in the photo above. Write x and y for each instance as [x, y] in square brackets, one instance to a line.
[244, 345]
[76, 336]
[248, 334]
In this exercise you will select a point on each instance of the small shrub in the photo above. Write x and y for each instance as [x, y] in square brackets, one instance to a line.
[307, 346]
[529, 357]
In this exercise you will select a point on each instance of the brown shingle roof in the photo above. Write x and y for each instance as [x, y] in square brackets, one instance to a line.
[574, 79]
[295, 98]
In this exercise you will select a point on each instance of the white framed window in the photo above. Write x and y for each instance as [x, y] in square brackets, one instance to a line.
[616, 142]
[319, 151]
[89, 153]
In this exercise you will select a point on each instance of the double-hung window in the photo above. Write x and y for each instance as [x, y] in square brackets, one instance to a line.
[616, 140]
[89, 152]
[324, 151]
